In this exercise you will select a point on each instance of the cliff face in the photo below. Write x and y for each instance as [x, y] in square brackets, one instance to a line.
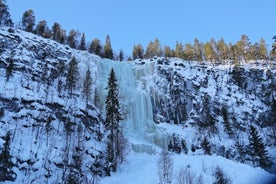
[53, 135]
[193, 108]
[218, 102]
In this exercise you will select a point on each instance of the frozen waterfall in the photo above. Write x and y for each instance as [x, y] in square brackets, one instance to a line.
[138, 124]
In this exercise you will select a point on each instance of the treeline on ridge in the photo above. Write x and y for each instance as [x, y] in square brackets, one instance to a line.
[213, 50]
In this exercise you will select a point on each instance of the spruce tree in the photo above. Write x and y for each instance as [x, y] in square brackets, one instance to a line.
[57, 33]
[5, 17]
[257, 149]
[87, 83]
[28, 21]
[121, 55]
[82, 43]
[112, 122]
[6, 164]
[42, 29]
[72, 39]
[227, 125]
[9, 69]
[72, 75]
[220, 177]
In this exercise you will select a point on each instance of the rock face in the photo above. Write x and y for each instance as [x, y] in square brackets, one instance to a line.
[54, 136]
[188, 107]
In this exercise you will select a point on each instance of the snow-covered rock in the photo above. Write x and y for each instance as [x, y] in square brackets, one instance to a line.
[166, 103]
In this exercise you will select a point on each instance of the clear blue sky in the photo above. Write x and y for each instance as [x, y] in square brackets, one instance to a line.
[129, 22]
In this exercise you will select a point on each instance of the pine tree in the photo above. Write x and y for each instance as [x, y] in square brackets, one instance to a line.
[9, 69]
[209, 52]
[153, 49]
[272, 114]
[263, 53]
[42, 29]
[112, 122]
[220, 177]
[95, 47]
[189, 54]
[198, 50]
[58, 34]
[138, 52]
[256, 149]
[222, 50]
[87, 83]
[121, 55]
[108, 52]
[5, 17]
[243, 47]
[6, 164]
[72, 75]
[227, 126]
[179, 50]
[72, 38]
[82, 43]
[28, 21]
[168, 52]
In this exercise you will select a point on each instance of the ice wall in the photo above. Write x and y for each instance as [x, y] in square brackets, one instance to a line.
[138, 123]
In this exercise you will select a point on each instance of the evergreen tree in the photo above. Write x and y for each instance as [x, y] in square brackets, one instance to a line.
[198, 50]
[189, 54]
[9, 69]
[234, 54]
[87, 83]
[108, 52]
[168, 52]
[95, 47]
[138, 52]
[72, 39]
[227, 126]
[179, 50]
[272, 113]
[222, 50]
[244, 47]
[209, 52]
[273, 52]
[220, 177]
[121, 55]
[28, 21]
[82, 43]
[42, 29]
[257, 150]
[72, 75]
[58, 34]
[113, 117]
[262, 50]
[5, 17]
[6, 164]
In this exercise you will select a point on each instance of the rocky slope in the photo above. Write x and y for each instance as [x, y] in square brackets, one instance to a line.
[188, 107]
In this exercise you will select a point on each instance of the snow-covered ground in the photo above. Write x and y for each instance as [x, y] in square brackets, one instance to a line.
[141, 168]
